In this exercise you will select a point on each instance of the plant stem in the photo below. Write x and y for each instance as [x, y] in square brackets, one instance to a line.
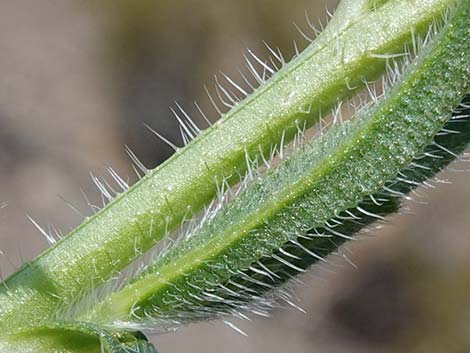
[301, 92]
[330, 176]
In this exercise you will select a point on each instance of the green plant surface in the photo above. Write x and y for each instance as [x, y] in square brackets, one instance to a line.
[302, 91]
[284, 219]
[308, 249]
[331, 175]
[73, 338]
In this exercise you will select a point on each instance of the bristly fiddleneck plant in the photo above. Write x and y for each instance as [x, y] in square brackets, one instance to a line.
[269, 201]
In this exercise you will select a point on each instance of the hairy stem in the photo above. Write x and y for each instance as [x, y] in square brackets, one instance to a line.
[333, 174]
[302, 91]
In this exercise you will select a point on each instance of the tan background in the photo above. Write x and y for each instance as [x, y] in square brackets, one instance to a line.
[78, 78]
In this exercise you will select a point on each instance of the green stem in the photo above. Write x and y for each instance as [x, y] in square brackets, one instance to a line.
[333, 174]
[301, 92]
[73, 338]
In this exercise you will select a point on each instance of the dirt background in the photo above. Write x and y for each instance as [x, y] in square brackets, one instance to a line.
[79, 78]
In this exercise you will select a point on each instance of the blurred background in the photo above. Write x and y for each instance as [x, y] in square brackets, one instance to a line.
[78, 80]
